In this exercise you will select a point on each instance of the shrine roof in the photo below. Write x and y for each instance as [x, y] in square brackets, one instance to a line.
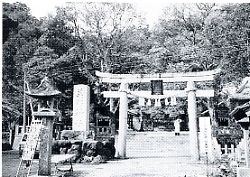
[243, 92]
[45, 89]
[245, 119]
[241, 111]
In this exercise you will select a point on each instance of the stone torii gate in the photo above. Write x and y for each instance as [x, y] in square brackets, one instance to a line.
[190, 92]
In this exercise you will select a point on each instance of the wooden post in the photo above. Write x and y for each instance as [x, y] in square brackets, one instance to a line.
[232, 149]
[192, 114]
[205, 136]
[111, 105]
[24, 102]
[246, 134]
[123, 112]
[238, 153]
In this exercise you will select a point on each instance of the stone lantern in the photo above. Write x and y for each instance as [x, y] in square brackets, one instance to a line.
[46, 111]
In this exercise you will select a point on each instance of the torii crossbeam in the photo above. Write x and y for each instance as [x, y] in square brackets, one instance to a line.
[165, 77]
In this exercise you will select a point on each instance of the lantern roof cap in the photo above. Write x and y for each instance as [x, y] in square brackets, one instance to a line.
[45, 89]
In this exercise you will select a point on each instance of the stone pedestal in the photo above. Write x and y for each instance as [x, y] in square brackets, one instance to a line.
[45, 149]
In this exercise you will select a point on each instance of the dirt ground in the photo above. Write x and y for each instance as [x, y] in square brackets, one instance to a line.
[153, 166]
[148, 154]
[158, 154]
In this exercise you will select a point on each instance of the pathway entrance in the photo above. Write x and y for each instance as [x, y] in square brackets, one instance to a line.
[157, 93]
[157, 144]
[157, 154]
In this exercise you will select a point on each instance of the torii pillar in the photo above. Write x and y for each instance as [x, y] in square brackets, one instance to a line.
[123, 114]
[192, 116]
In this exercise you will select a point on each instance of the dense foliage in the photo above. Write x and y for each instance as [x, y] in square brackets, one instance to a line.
[114, 37]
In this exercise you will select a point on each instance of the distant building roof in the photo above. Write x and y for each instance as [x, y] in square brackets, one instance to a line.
[241, 111]
[243, 92]
[194, 67]
[45, 89]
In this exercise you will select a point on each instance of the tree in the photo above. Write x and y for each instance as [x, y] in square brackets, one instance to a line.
[19, 44]
[105, 27]
[57, 35]
[9, 25]
[182, 43]
[114, 37]
[181, 33]
[228, 33]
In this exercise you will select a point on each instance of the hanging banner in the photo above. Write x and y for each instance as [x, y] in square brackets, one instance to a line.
[149, 102]
[81, 102]
[173, 101]
[157, 103]
[166, 101]
[141, 101]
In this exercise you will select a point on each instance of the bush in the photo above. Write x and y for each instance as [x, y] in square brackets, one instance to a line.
[76, 149]
[71, 135]
[88, 148]
[57, 145]
[91, 148]
[106, 149]
[6, 146]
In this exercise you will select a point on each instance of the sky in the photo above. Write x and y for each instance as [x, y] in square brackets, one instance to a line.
[152, 9]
